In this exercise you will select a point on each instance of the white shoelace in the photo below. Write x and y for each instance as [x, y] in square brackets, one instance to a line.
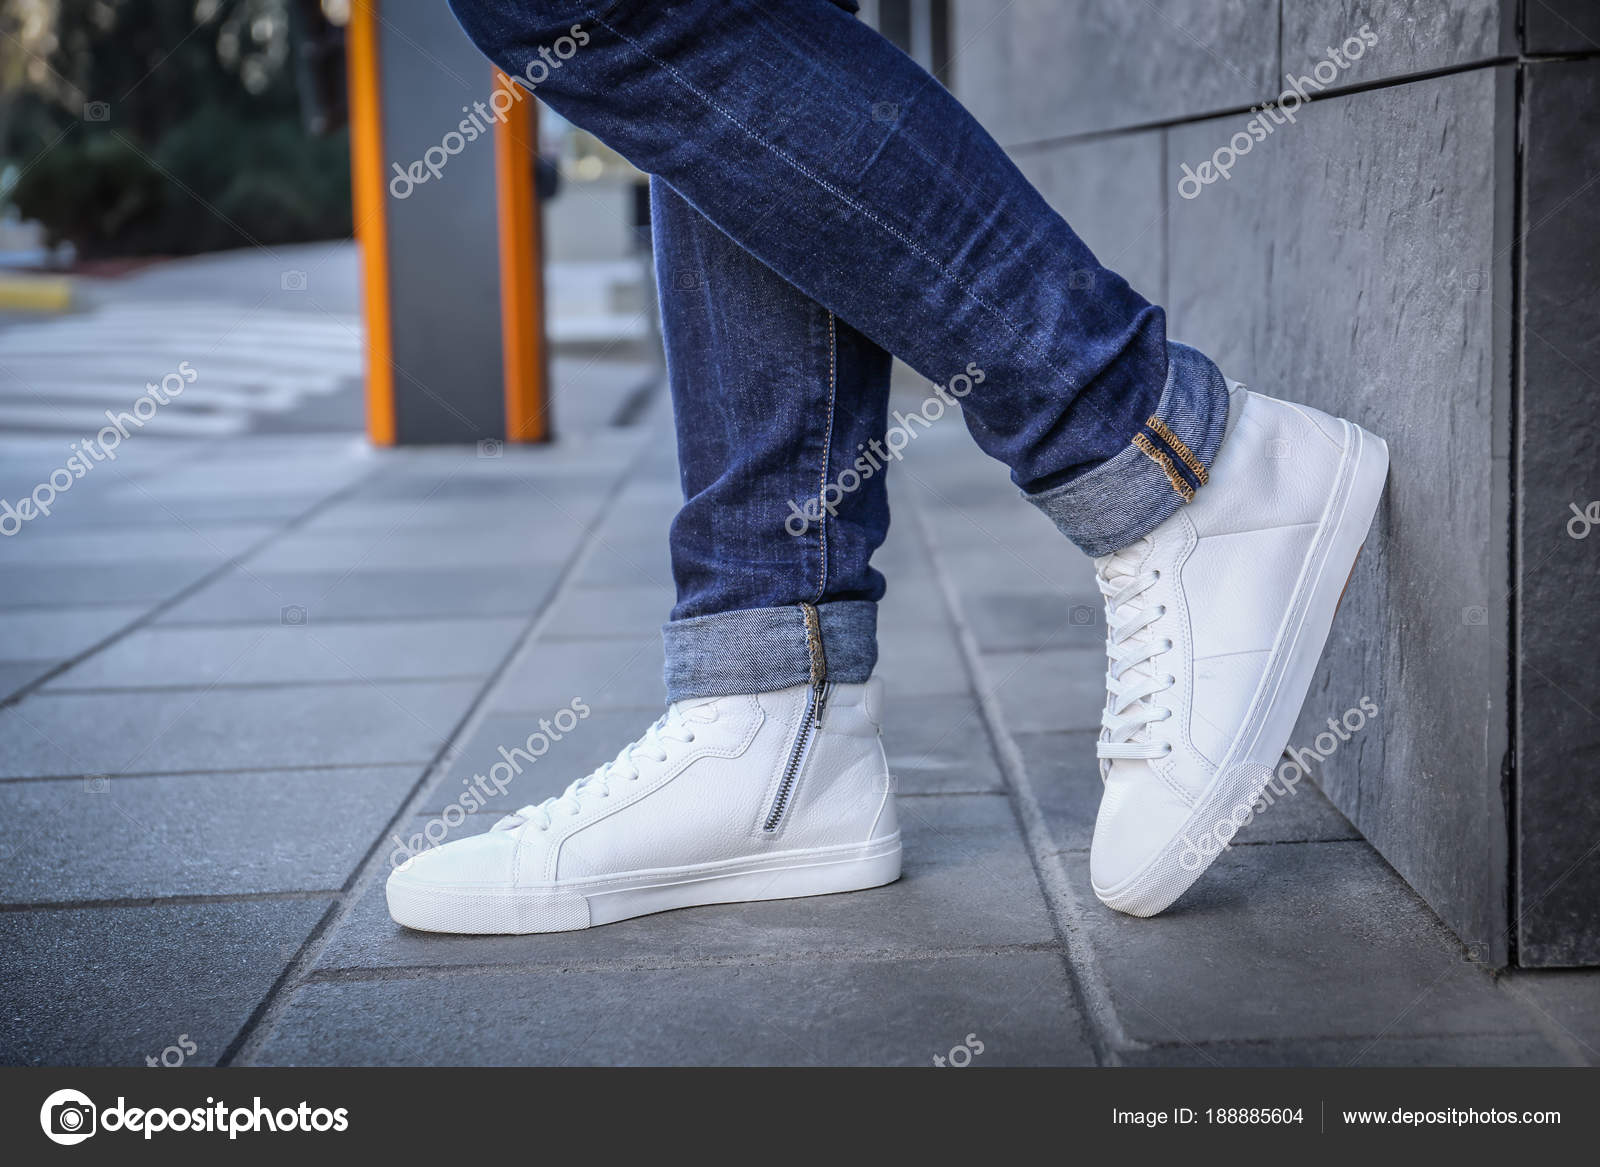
[1131, 679]
[672, 725]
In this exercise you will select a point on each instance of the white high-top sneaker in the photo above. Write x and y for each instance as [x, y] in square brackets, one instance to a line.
[757, 797]
[1216, 620]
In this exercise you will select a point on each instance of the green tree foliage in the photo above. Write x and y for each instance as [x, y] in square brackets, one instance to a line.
[167, 127]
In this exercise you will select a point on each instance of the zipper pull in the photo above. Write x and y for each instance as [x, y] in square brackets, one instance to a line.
[819, 661]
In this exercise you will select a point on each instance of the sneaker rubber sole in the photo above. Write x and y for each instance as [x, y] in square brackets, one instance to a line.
[584, 903]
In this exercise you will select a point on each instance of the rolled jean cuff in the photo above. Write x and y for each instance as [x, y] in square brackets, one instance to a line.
[1165, 463]
[758, 650]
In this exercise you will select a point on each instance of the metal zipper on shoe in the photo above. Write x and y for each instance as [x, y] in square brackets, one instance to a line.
[809, 723]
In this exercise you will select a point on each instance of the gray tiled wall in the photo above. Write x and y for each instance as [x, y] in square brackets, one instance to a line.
[1376, 259]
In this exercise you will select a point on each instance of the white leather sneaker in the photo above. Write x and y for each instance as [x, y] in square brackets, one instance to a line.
[1216, 620]
[723, 799]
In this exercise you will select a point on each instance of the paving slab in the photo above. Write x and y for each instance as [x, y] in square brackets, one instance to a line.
[634, 612]
[967, 884]
[113, 986]
[229, 728]
[296, 653]
[249, 596]
[809, 1013]
[939, 745]
[485, 551]
[1473, 1049]
[618, 563]
[17, 675]
[59, 633]
[1044, 690]
[606, 674]
[193, 834]
[1008, 621]
[211, 544]
[523, 515]
[1290, 942]
[60, 585]
[1568, 1002]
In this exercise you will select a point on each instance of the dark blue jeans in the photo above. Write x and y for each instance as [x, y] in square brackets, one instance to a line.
[819, 202]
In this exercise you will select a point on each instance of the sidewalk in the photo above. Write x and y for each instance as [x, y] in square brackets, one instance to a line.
[237, 669]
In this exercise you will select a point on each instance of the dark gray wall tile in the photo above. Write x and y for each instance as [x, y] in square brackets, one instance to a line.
[1038, 69]
[1357, 261]
[1558, 594]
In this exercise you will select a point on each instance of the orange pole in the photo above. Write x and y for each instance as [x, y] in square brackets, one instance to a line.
[368, 192]
[521, 277]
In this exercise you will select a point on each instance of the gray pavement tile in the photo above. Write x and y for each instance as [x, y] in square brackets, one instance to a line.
[1300, 940]
[17, 674]
[617, 563]
[939, 745]
[129, 507]
[59, 585]
[1476, 1049]
[193, 834]
[1042, 563]
[304, 653]
[635, 612]
[113, 986]
[926, 664]
[967, 883]
[526, 515]
[1013, 620]
[1048, 690]
[994, 525]
[1568, 1001]
[1018, 1006]
[594, 740]
[607, 674]
[469, 479]
[247, 596]
[1065, 776]
[59, 633]
[375, 550]
[229, 729]
[212, 544]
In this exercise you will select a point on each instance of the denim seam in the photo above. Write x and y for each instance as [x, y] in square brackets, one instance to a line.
[864, 212]
[827, 457]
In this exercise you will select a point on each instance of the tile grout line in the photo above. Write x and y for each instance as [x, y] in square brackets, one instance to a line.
[1066, 910]
[228, 564]
[667, 962]
[264, 1019]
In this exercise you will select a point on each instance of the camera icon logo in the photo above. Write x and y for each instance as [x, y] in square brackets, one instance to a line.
[1475, 616]
[1081, 615]
[68, 1117]
[97, 111]
[293, 281]
[491, 448]
[292, 616]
